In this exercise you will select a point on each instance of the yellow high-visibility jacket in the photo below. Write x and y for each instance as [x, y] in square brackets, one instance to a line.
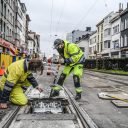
[73, 52]
[16, 73]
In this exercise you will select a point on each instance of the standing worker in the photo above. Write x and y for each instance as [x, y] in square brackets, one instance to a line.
[15, 80]
[73, 59]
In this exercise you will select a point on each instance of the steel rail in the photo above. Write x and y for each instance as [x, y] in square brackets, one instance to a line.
[108, 78]
[6, 123]
[86, 121]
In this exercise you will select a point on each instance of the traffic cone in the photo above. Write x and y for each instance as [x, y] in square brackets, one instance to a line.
[49, 69]
[2, 69]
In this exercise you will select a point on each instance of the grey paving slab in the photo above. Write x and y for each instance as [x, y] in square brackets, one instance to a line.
[113, 95]
[46, 117]
[120, 103]
[43, 124]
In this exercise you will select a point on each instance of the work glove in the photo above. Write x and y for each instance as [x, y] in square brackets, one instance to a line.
[54, 93]
[68, 61]
[3, 105]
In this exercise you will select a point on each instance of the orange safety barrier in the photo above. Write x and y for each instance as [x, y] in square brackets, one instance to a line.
[2, 69]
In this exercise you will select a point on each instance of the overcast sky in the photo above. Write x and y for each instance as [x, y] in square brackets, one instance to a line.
[58, 17]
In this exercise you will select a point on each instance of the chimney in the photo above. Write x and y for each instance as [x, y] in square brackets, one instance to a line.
[88, 29]
[120, 7]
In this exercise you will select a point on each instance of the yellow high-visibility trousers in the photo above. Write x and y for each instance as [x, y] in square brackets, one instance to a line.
[17, 96]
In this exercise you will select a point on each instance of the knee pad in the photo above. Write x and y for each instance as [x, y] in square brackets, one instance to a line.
[76, 80]
[62, 76]
[61, 79]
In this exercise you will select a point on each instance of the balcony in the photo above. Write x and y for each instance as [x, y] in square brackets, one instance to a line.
[18, 11]
[18, 25]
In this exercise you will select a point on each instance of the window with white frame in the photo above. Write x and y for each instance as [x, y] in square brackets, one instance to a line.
[125, 40]
[115, 29]
[116, 44]
[107, 32]
[126, 23]
[122, 41]
[106, 20]
[107, 44]
[122, 25]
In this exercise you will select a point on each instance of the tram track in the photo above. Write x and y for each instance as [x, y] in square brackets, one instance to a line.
[6, 121]
[108, 78]
[86, 121]
[83, 119]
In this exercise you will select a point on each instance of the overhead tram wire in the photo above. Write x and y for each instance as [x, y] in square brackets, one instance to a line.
[61, 15]
[51, 14]
[86, 14]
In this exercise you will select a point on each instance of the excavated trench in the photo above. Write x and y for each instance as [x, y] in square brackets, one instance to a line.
[49, 106]
[47, 109]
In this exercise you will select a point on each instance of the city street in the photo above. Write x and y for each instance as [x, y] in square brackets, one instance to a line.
[64, 64]
[103, 112]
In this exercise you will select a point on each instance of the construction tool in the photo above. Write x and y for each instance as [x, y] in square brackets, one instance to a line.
[118, 98]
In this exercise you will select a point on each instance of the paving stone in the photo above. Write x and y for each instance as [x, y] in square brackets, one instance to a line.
[120, 103]
[111, 95]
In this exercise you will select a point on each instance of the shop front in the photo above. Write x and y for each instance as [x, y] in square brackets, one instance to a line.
[7, 52]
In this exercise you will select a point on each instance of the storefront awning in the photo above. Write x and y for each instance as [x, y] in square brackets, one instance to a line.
[8, 45]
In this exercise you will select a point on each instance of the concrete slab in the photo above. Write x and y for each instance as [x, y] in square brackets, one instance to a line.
[120, 104]
[46, 117]
[43, 124]
[111, 95]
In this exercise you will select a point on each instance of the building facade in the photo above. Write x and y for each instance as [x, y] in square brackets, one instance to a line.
[100, 34]
[84, 45]
[33, 43]
[92, 45]
[20, 27]
[77, 35]
[7, 26]
[115, 38]
[124, 33]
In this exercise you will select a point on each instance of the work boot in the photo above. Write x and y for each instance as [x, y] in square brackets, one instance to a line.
[78, 96]
[54, 93]
[0, 94]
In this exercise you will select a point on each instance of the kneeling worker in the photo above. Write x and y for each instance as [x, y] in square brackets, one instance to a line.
[74, 60]
[15, 80]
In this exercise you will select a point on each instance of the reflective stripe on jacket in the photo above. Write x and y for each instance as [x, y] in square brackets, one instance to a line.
[73, 52]
[16, 73]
